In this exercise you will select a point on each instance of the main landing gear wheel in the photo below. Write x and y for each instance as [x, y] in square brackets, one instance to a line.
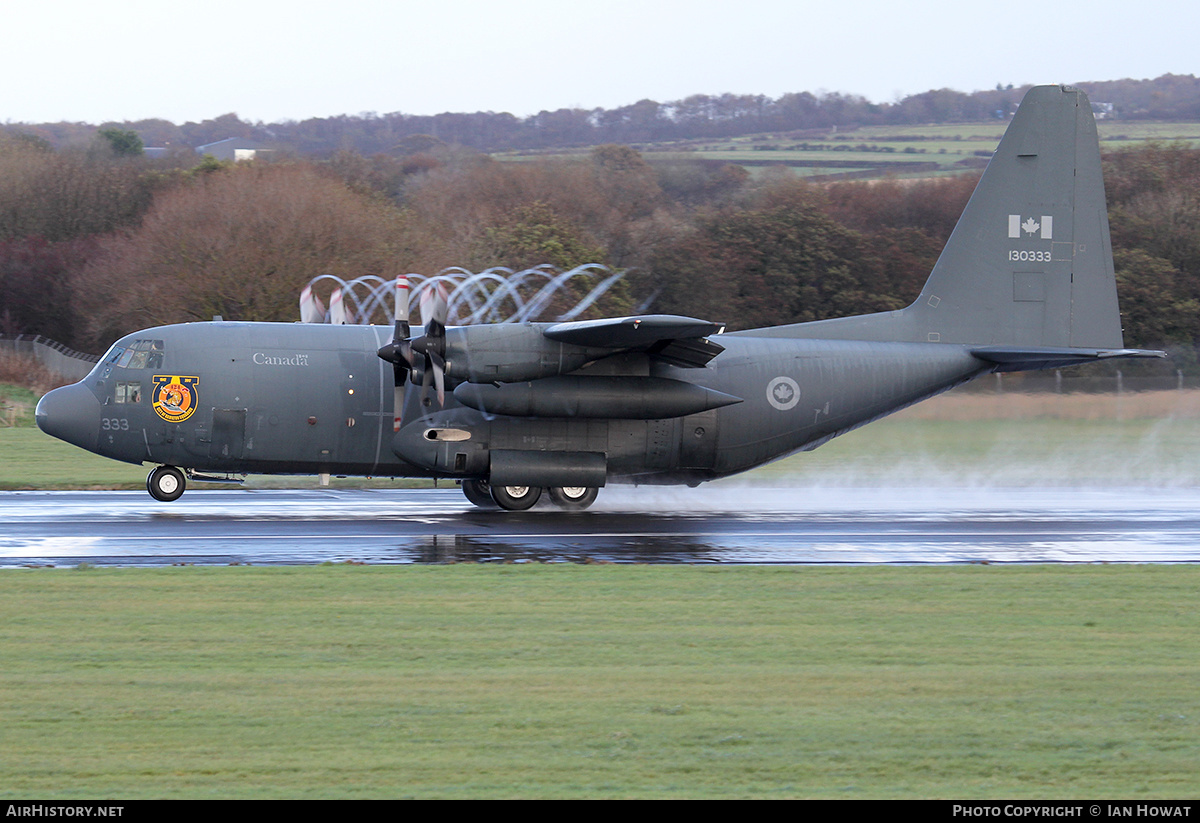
[166, 483]
[573, 497]
[516, 498]
[479, 493]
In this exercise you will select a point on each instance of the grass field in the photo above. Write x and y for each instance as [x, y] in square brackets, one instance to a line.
[611, 681]
[600, 681]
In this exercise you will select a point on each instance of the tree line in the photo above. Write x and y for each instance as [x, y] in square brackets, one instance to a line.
[699, 116]
[97, 241]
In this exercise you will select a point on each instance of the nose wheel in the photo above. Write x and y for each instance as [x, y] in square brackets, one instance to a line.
[166, 483]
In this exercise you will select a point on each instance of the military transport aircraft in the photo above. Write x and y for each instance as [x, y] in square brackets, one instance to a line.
[1025, 282]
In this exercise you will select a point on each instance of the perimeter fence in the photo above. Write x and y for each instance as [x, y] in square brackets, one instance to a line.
[51, 354]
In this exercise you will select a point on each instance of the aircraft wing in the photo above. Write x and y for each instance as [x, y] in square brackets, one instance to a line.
[679, 341]
[1016, 358]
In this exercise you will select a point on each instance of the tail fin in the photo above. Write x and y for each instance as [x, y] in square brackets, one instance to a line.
[1029, 263]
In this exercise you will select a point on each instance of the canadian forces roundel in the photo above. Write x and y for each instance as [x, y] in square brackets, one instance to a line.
[174, 397]
[783, 393]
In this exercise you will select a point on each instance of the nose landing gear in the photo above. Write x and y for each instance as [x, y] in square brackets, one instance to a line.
[166, 483]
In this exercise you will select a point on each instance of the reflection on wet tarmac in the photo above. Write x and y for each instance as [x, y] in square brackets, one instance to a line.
[717, 524]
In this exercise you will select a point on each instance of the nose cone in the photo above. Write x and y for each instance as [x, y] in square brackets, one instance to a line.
[71, 413]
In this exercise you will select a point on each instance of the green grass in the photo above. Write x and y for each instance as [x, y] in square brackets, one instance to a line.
[600, 681]
[33, 460]
[16, 404]
[628, 681]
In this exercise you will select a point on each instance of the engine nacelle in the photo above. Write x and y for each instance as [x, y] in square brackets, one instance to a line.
[507, 353]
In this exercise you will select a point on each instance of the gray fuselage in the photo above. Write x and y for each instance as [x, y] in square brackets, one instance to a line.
[271, 398]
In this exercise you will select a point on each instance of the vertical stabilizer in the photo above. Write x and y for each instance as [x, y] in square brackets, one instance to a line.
[1029, 263]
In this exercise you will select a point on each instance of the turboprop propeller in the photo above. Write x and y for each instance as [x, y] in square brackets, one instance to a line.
[402, 351]
[399, 352]
[432, 344]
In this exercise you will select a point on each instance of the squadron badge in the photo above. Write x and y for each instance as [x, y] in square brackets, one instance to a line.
[174, 397]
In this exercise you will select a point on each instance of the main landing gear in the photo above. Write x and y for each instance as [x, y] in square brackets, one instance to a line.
[166, 483]
[520, 498]
[479, 493]
[575, 498]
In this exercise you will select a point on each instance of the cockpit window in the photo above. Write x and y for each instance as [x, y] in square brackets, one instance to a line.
[140, 354]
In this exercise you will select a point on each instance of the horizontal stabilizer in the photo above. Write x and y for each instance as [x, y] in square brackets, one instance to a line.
[1013, 358]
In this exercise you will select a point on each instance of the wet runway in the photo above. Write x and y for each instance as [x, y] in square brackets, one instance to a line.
[714, 524]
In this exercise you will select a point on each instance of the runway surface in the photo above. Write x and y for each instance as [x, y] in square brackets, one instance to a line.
[714, 524]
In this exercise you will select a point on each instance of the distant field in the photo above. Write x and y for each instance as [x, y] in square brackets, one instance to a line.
[879, 150]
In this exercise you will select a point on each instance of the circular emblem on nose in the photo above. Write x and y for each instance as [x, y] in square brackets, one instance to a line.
[174, 397]
[783, 393]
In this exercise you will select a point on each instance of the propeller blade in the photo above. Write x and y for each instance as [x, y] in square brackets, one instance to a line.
[337, 309]
[312, 310]
[426, 380]
[434, 308]
[401, 305]
[401, 309]
[399, 351]
[432, 344]
[439, 377]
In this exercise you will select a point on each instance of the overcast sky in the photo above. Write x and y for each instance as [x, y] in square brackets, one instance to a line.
[271, 60]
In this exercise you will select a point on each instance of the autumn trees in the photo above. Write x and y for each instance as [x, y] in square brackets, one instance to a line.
[240, 243]
[95, 242]
[53, 207]
[1154, 215]
[781, 257]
